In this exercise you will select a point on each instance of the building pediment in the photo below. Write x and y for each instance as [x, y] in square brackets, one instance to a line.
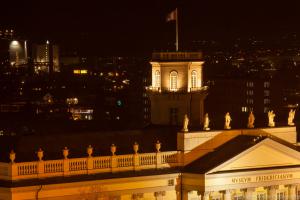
[265, 154]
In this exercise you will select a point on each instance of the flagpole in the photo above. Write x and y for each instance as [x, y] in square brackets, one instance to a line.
[176, 29]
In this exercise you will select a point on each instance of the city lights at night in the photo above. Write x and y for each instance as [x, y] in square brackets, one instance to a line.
[153, 100]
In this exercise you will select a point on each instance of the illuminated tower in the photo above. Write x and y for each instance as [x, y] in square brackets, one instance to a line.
[18, 53]
[46, 57]
[177, 88]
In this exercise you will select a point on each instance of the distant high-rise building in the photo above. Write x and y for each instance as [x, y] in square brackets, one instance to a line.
[46, 58]
[13, 51]
[18, 53]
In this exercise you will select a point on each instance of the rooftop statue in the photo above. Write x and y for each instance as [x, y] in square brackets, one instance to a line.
[227, 121]
[206, 122]
[291, 117]
[185, 123]
[251, 120]
[271, 116]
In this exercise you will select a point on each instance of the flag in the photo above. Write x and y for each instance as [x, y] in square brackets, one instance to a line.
[172, 16]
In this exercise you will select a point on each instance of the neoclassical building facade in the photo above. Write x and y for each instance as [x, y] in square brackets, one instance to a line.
[250, 164]
[242, 164]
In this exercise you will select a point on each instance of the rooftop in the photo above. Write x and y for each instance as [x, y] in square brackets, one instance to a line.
[227, 151]
[177, 56]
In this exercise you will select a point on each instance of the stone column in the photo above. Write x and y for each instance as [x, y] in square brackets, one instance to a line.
[114, 163]
[178, 195]
[185, 195]
[206, 196]
[114, 160]
[249, 193]
[292, 194]
[89, 161]
[159, 195]
[158, 160]
[227, 195]
[200, 195]
[136, 156]
[271, 192]
[40, 164]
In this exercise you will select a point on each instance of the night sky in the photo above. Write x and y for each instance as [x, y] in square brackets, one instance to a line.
[139, 25]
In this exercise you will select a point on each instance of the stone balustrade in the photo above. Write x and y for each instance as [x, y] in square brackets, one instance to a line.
[89, 165]
[178, 90]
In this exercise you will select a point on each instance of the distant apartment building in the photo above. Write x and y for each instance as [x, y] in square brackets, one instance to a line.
[7, 33]
[46, 58]
[239, 96]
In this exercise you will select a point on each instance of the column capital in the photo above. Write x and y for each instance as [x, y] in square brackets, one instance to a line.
[291, 185]
[226, 191]
[252, 189]
[159, 193]
[228, 194]
[271, 190]
[206, 195]
[249, 193]
[272, 187]
[292, 191]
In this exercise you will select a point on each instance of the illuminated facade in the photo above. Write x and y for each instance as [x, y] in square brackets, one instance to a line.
[46, 58]
[177, 87]
[18, 53]
[247, 164]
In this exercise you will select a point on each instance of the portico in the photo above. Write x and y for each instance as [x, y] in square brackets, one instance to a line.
[266, 170]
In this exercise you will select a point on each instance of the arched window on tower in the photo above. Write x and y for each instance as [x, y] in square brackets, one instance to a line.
[173, 81]
[157, 78]
[194, 79]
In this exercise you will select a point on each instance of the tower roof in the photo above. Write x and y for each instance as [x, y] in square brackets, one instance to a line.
[177, 56]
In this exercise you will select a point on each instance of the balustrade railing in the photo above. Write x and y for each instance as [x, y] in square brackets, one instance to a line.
[4, 169]
[27, 168]
[169, 157]
[53, 166]
[177, 90]
[102, 162]
[87, 165]
[77, 164]
[147, 159]
[125, 161]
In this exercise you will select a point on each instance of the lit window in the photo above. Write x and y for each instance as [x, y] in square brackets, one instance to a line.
[249, 101]
[266, 93]
[244, 109]
[266, 84]
[157, 78]
[266, 101]
[78, 71]
[194, 79]
[249, 84]
[84, 71]
[173, 81]
[249, 92]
